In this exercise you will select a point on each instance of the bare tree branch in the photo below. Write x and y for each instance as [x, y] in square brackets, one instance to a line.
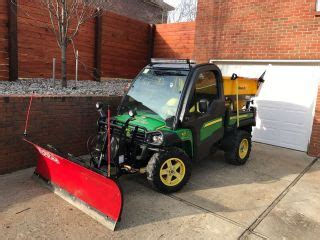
[185, 12]
[65, 18]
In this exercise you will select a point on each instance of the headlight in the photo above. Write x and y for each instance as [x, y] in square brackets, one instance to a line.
[132, 113]
[155, 138]
[99, 105]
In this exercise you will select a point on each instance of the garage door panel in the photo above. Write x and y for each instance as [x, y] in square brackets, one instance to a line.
[281, 115]
[280, 126]
[284, 138]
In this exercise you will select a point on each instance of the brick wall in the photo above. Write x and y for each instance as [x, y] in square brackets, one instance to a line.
[65, 122]
[255, 29]
[174, 40]
[314, 147]
[4, 65]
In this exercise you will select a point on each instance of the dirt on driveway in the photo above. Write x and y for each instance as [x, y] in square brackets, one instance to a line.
[275, 195]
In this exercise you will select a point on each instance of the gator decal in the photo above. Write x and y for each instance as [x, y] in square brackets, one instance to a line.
[186, 136]
[233, 119]
[209, 128]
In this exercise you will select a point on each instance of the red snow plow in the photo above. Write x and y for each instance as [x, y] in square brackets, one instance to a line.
[91, 189]
[79, 184]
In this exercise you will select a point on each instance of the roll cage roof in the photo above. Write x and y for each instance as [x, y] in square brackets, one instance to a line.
[178, 64]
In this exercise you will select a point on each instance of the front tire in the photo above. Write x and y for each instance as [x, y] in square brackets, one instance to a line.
[239, 148]
[169, 171]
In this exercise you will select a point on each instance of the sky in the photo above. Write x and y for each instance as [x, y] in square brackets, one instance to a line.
[173, 3]
[175, 16]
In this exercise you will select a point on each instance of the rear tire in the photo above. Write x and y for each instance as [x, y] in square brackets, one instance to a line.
[169, 171]
[238, 148]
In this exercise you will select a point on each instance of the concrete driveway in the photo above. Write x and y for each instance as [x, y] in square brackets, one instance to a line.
[275, 195]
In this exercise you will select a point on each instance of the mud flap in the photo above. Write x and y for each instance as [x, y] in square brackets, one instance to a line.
[93, 193]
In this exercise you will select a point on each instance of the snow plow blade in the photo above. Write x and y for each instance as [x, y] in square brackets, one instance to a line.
[82, 186]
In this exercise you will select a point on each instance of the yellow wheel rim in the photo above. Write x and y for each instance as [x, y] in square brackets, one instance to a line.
[243, 148]
[172, 172]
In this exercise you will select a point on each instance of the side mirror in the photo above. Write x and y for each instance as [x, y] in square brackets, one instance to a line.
[203, 105]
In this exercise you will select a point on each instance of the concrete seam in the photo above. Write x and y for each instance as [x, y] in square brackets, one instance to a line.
[206, 210]
[266, 212]
[214, 213]
[211, 212]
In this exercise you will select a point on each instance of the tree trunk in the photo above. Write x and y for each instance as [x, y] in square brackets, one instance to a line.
[64, 64]
[64, 43]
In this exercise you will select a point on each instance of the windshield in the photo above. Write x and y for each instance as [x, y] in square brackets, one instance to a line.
[156, 92]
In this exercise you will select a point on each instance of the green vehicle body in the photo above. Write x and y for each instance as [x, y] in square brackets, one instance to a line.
[174, 114]
[179, 135]
[185, 135]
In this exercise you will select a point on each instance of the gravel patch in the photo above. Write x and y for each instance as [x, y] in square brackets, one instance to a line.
[45, 87]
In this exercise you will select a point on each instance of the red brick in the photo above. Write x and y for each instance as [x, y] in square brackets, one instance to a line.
[67, 126]
[247, 29]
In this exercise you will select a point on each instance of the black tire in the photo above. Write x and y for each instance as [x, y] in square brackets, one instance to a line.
[231, 151]
[158, 160]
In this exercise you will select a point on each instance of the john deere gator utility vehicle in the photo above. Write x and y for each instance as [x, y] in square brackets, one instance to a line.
[174, 114]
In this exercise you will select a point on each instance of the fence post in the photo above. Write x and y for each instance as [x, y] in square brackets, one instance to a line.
[54, 72]
[12, 40]
[97, 47]
[152, 30]
[77, 66]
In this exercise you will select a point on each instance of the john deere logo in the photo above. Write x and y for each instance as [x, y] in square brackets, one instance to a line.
[142, 121]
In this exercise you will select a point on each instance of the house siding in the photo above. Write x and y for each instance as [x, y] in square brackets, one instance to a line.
[138, 9]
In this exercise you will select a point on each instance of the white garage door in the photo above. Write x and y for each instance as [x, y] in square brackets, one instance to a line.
[285, 103]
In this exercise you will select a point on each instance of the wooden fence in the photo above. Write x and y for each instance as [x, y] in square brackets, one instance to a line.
[37, 45]
[110, 46]
[125, 44]
[119, 43]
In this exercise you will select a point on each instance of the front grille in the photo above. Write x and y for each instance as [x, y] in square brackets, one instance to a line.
[140, 136]
[139, 133]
